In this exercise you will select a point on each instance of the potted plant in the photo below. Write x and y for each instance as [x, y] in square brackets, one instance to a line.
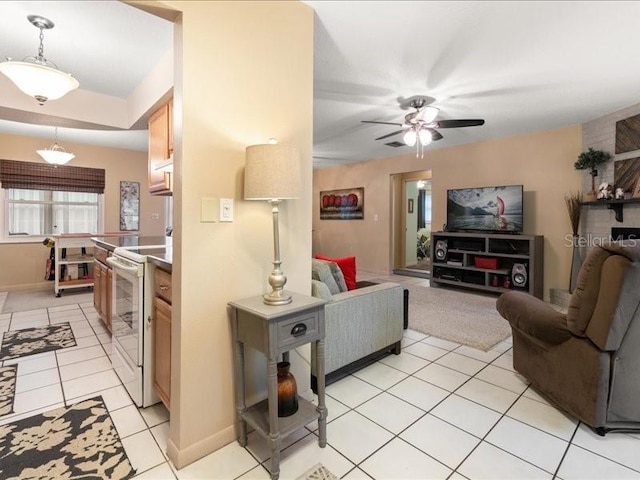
[591, 159]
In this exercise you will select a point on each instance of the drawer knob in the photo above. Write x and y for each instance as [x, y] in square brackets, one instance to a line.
[299, 329]
[164, 288]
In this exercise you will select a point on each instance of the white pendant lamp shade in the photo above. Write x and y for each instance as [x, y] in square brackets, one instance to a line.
[36, 76]
[39, 81]
[410, 137]
[56, 154]
[428, 114]
[425, 137]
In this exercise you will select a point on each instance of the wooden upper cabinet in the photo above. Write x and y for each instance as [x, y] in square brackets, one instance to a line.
[160, 149]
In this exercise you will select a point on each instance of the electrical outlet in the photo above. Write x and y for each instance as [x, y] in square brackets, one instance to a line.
[226, 209]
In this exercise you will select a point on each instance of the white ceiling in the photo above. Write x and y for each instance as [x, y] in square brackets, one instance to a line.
[522, 66]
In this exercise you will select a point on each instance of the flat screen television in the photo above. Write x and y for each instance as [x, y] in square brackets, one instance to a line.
[488, 209]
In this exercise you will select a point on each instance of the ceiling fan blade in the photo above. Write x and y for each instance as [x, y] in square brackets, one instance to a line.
[458, 123]
[435, 135]
[381, 123]
[390, 135]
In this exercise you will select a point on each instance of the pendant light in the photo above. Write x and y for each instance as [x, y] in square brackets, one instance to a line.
[37, 76]
[56, 154]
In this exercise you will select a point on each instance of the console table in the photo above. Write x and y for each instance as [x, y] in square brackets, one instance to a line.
[274, 330]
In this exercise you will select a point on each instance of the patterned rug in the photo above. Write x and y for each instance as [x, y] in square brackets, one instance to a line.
[317, 472]
[7, 388]
[29, 341]
[73, 442]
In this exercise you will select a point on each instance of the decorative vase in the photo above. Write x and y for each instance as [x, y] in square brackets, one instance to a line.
[287, 391]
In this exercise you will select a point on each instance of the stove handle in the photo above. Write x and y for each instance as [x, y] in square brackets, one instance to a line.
[116, 264]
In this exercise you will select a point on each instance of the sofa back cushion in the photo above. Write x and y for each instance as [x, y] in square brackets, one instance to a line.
[320, 290]
[321, 271]
[598, 289]
[347, 266]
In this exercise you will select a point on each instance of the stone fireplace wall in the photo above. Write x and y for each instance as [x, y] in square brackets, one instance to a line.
[600, 134]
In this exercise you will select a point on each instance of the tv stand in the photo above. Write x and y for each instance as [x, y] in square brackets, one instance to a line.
[485, 261]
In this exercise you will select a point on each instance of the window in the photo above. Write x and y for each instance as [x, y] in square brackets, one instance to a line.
[44, 212]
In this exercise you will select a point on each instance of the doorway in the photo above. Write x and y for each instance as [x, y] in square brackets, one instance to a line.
[412, 225]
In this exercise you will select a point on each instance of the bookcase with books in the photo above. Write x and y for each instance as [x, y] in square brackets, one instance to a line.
[487, 261]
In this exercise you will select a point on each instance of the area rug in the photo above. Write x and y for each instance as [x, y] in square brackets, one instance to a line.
[317, 472]
[73, 442]
[462, 317]
[29, 341]
[34, 299]
[7, 388]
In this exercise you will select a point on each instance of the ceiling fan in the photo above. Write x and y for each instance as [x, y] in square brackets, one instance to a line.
[420, 127]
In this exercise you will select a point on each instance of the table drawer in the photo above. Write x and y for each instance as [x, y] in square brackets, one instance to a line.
[298, 330]
[162, 284]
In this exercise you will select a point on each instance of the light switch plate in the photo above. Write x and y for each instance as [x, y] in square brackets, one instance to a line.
[209, 210]
[226, 209]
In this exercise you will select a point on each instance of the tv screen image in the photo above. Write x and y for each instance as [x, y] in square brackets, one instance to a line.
[491, 209]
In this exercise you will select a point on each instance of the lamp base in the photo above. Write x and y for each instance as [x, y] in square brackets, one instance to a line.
[277, 297]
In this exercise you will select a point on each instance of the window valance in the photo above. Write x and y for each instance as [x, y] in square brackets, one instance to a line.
[41, 176]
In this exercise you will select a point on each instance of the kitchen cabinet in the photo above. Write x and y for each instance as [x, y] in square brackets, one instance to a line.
[103, 275]
[161, 150]
[162, 335]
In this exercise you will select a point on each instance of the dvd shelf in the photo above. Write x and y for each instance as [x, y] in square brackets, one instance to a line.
[487, 261]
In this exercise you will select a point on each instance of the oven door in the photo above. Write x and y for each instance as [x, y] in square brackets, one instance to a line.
[127, 311]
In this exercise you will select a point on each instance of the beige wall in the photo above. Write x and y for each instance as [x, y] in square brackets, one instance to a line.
[244, 73]
[23, 264]
[541, 161]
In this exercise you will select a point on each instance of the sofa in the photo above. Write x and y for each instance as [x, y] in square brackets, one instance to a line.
[586, 361]
[361, 325]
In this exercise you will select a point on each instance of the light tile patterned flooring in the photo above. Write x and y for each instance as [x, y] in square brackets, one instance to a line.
[439, 410]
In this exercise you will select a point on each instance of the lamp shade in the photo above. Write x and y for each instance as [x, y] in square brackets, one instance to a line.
[56, 155]
[39, 81]
[272, 172]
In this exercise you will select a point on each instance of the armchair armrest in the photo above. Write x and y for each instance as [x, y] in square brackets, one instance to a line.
[533, 317]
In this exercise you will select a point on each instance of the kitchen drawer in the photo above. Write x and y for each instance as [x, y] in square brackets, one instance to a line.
[162, 284]
[101, 254]
[297, 331]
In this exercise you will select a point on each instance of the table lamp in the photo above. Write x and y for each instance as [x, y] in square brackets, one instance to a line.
[272, 173]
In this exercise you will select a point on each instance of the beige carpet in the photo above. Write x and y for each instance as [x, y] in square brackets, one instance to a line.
[453, 314]
[34, 299]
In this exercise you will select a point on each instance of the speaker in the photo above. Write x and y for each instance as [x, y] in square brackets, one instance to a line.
[519, 274]
[441, 250]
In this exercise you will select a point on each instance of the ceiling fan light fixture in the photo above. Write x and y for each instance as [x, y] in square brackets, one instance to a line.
[428, 114]
[410, 137]
[56, 154]
[37, 76]
[425, 137]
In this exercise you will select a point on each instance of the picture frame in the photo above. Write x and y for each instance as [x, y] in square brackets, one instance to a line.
[345, 204]
[636, 189]
[129, 206]
[410, 205]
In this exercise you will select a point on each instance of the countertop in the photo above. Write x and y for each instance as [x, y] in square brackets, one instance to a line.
[112, 242]
[163, 260]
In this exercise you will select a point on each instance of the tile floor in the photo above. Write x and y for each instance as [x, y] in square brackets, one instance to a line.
[439, 410]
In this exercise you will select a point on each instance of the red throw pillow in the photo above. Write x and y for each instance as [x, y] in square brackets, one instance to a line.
[348, 267]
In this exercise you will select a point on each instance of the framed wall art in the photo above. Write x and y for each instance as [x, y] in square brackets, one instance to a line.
[129, 206]
[347, 204]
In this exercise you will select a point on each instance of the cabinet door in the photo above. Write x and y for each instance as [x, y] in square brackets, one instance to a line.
[106, 307]
[97, 287]
[162, 349]
[159, 180]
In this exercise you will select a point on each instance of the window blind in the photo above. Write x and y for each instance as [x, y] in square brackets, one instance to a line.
[41, 176]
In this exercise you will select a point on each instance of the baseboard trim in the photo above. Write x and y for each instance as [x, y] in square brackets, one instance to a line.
[27, 286]
[188, 455]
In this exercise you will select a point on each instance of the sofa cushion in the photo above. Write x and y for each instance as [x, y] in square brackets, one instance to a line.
[337, 276]
[320, 290]
[348, 267]
[321, 271]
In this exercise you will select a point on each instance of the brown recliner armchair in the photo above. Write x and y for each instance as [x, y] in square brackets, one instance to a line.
[587, 362]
